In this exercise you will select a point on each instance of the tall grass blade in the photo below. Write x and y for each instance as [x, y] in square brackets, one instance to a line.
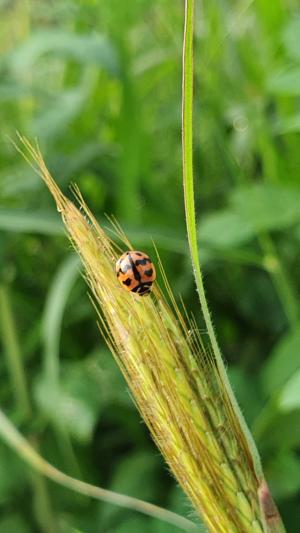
[238, 421]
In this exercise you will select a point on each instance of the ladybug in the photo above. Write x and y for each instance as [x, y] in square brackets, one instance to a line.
[136, 272]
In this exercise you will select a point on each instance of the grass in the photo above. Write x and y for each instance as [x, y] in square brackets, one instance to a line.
[177, 382]
[270, 519]
[15, 440]
[174, 379]
[246, 159]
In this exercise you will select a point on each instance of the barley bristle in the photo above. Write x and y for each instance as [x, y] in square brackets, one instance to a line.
[173, 378]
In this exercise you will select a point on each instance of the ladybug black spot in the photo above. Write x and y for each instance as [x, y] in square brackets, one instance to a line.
[142, 261]
[143, 288]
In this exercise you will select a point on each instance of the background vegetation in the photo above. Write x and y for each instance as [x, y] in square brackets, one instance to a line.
[99, 83]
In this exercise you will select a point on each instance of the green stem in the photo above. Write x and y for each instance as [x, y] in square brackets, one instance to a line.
[16, 441]
[187, 156]
[42, 504]
[66, 448]
[189, 199]
[270, 516]
[13, 355]
[43, 509]
[59, 292]
[280, 280]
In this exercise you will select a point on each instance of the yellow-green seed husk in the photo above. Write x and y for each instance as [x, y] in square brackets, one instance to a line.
[173, 379]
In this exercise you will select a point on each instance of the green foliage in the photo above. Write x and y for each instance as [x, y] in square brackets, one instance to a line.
[100, 83]
[14, 522]
[284, 362]
[253, 210]
[23, 221]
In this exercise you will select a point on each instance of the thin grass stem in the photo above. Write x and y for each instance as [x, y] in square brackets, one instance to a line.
[60, 289]
[41, 503]
[16, 441]
[11, 344]
[189, 199]
[13, 354]
[280, 279]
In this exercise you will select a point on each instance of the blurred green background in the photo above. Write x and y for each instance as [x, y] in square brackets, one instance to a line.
[99, 83]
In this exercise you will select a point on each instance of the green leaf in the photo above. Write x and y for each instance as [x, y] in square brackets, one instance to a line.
[253, 210]
[283, 430]
[128, 478]
[283, 474]
[87, 49]
[247, 392]
[267, 207]
[283, 362]
[12, 91]
[110, 384]
[12, 477]
[288, 124]
[163, 238]
[18, 179]
[53, 120]
[129, 474]
[30, 222]
[180, 504]
[64, 407]
[14, 523]
[285, 81]
[291, 37]
[225, 229]
[290, 396]
[85, 389]
[134, 525]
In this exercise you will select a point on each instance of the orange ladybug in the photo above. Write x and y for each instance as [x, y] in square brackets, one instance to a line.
[136, 272]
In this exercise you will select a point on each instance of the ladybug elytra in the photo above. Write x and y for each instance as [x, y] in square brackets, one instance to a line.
[136, 272]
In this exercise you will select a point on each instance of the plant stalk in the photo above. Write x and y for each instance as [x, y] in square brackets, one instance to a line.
[13, 355]
[189, 200]
[27, 453]
[42, 503]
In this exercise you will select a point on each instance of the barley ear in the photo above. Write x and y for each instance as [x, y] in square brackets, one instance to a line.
[175, 380]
